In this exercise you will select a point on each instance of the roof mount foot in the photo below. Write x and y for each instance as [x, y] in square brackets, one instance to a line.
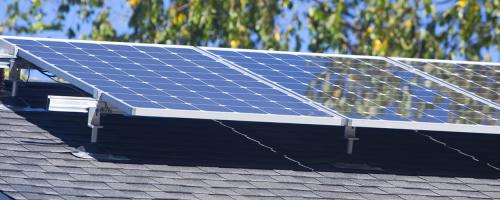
[87, 150]
[93, 151]
[94, 121]
[350, 135]
[14, 76]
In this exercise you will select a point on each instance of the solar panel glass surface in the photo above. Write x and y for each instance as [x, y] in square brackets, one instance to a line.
[364, 88]
[164, 77]
[480, 79]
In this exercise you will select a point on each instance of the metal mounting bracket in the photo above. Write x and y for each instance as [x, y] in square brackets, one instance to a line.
[14, 76]
[94, 117]
[94, 122]
[350, 135]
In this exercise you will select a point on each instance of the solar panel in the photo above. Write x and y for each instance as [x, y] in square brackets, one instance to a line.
[480, 78]
[168, 81]
[370, 91]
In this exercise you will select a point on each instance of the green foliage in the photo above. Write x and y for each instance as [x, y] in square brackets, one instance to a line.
[406, 28]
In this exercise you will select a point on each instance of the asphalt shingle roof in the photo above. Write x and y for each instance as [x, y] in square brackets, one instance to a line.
[199, 159]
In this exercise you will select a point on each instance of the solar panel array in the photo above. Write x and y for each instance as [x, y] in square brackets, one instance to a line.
[159, 77]
[362, 88]
[183, 81]
[480, 79]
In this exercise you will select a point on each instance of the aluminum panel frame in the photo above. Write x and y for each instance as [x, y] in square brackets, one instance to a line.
[445, 83]
[149, 112]
[368, 123]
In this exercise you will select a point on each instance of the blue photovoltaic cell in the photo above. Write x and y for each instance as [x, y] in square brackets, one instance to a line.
[480, 79]
[165, 78]
[364, 88]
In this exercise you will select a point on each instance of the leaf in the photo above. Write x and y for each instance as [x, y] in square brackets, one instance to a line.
[235, 43]
[133, 3]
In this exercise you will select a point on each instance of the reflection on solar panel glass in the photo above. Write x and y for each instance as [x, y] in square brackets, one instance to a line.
[161, 77]
[483, 80]
[364, 88]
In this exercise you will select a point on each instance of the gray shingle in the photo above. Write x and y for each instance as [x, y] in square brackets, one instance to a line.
[102, 171]
[463, 198]
[77, 192]
[213, 197]
[381, 196]
[437, 179]
[112, 193]
[451, 186]
[255, 198]
[34, 189]
[6, 188]
[199, 175]
[127, 179]
[330, 188]
[38, 175]
[261, 172]
[417, 197]
[293, 193]
[486, 188]
[32, 161]
[60, 183]
[182, 182]
[61, 176]
[253, 177]
[480, 181]
[398, 177]
[183, 189]
[364, 190]
[7, 159]
[29, 195]
[234, 177]
[168, 168]
[29, 168]
[495, 194]
[19, 154]
[406, 184]
[298, 173]
[16, 195]
[216, 183]
[143, 187]
[407, 191]
[337, 181]
[346, 175]
[136, 194]
[91, 185]
[288, 179]
[73, 170]
[8, 166]
[253, 192]
[455, 193]
[39, 182]
[13, 174]
[171, 195]
[13, 180]
[339, 195]
[273, 185]
[221, 171]
[135, 172]
[222, 191]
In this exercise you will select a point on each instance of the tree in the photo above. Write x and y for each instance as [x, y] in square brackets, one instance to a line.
[406, 28]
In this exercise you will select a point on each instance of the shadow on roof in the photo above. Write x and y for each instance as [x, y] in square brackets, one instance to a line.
[188, 142]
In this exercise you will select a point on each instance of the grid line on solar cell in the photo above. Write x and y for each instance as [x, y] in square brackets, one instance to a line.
[166, 77]
[363, 88]
[480, 79]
